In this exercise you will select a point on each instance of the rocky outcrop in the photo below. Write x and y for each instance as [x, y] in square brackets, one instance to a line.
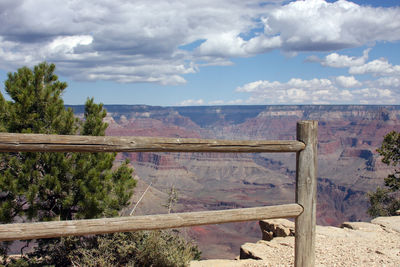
[355, 244]
[276, 228]
[389, 223]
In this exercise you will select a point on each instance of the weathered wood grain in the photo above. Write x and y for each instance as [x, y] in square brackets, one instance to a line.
[21, 231]
[306, 185]
[306, 194]
[73, 143]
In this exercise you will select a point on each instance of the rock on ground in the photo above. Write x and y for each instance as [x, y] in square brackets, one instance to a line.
[276, 228]
[355, 244]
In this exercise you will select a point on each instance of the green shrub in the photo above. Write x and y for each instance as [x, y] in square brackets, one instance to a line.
[143, 248]
[383, 202]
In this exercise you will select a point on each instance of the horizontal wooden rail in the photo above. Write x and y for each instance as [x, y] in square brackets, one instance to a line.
[75, 143]
[23, 231]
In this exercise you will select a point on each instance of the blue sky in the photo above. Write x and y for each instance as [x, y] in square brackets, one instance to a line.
[209, 52]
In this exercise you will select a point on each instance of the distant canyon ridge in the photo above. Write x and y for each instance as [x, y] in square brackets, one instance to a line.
[349, 165]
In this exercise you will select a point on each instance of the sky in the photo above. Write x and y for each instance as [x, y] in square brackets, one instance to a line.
[207, 52]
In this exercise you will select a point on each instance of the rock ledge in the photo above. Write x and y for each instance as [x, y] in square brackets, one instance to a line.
[354, 244]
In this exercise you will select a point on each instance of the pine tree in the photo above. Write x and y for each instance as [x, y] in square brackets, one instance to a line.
[55, 186]
[64, 186]
[3, 114]
[386, 201]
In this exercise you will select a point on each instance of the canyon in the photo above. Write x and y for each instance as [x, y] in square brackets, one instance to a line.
[348, 164]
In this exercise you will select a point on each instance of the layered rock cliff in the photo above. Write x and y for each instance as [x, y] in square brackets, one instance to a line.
[348, 163]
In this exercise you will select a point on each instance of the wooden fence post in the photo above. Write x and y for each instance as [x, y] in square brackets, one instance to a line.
[306, 194]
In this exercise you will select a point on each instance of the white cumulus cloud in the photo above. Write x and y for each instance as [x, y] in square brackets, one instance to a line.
[192, 102]
[347, 82]
[318, 25]
[389, 82]
[380, 83]
[376, 67]
[294, 91]
[156, 41]
[337, 90]
[336, 60]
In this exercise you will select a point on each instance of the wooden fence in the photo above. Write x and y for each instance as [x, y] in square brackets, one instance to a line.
[304, 210]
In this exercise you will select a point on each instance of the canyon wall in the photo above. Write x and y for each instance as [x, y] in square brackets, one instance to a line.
[349, 165]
